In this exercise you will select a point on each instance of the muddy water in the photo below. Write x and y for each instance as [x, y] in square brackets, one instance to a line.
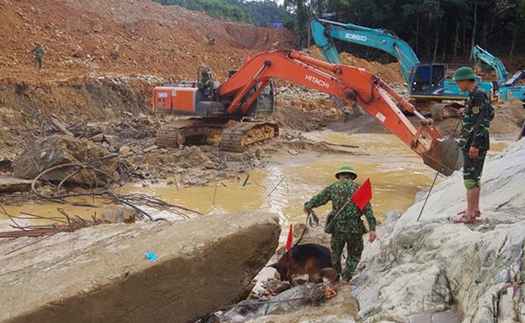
[282, 187]
[48, 211]
[397, 174]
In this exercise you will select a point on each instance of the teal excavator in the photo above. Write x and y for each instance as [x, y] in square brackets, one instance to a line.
[427, 83]
[506, 87]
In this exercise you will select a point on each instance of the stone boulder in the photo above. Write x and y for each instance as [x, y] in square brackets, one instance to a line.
[61, 149]
[101, 274]
[434, 266]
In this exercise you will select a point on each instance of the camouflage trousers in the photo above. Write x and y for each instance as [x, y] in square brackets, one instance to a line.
[473, 168]
[38, 62]
[354, 246]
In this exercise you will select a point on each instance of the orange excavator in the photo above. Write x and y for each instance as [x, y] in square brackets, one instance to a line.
[221, 109]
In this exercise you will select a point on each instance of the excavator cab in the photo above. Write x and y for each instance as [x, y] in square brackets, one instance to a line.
[428, 80]
[517, 79]
[265, 101]
[264, 105]
[211, 124]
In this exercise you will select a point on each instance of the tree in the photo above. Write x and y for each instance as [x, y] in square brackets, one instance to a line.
[263, 13]
[301, 9]
[518, 24]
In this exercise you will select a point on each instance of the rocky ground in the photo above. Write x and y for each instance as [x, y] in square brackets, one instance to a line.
[429, 270]
[135, 272]
[477, 268]
[92, 101]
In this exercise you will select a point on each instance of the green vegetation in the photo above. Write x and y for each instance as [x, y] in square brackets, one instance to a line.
[436, 29]
[216, 8]
[262, 13]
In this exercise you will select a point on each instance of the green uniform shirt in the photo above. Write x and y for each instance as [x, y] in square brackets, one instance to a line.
[38, 52]
[349, 220]
[206, 80]
[476, 121]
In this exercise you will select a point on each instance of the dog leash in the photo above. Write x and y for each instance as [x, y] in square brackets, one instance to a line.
[311, 220]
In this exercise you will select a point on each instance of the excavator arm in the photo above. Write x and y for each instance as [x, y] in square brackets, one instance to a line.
[481, 55]
[347, 83]
[324, 32]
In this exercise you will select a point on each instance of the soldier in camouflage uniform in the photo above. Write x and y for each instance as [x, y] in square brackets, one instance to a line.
[348, 228]
[206, 81]
[474, 140]
[38, 53]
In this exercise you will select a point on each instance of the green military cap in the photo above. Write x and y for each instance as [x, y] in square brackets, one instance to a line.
[464, 73]
[346, 170]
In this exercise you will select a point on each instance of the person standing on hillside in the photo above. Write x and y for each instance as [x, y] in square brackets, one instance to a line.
[474, 140]
[210, 39]
[38, 53]
[347, 226]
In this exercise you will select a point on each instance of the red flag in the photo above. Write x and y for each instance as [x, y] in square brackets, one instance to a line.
[363, 195]
[290, 239]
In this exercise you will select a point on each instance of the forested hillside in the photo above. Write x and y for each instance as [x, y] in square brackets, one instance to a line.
[436, 29]
[263, 13]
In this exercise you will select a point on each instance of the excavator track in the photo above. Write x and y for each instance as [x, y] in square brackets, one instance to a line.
[238, 137]
[441, 111]
[188, 131]
[234, 137]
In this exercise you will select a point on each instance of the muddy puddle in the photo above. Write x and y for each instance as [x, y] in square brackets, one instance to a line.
[282, 187]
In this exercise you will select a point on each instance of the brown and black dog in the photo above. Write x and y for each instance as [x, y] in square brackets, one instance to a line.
[309, 258]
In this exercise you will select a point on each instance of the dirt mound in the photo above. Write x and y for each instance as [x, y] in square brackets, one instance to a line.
[57, 150]
[302, 109]
[124, 36]
[507, 122]
[27, 107]
[390, 73]
[103, 57]
[296, 118]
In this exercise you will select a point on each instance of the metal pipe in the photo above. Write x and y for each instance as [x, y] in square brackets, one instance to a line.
[333, 22]
[313, 61]
[419, 115]
[259, 72]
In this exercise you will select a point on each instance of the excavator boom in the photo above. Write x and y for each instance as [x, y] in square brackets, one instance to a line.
[325, 31]
[426, 82]
[346, 83]
[481, 55]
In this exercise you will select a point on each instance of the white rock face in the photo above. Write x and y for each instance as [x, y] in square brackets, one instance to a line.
[502, 194]
[433, 265]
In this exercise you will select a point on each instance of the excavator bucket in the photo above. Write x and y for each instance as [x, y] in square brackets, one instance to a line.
[444, 156]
